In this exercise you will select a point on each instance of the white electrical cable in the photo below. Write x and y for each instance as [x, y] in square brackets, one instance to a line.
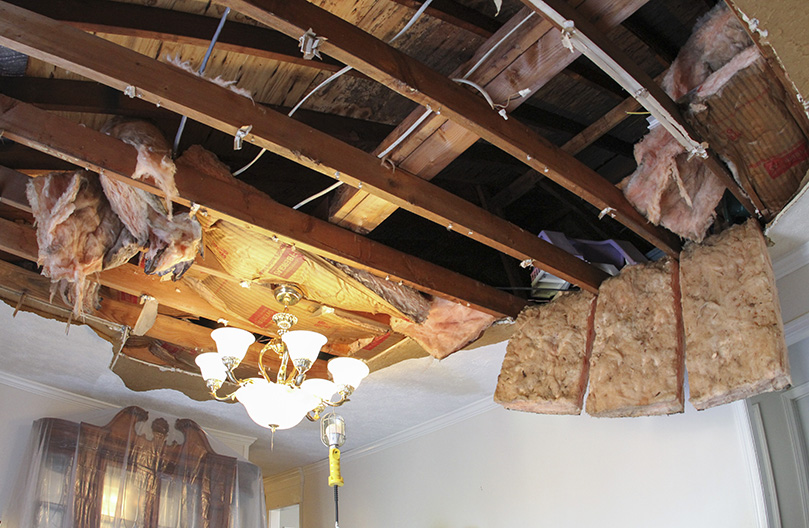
[465, 77]
[478, 88]
[406, 133]
[491, 50]
[319, 86]
[327, 190]
[412, 21]
[332, 77]
[261, 152]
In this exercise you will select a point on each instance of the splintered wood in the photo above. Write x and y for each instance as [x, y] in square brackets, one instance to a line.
[547, 360]
[733, 328]
[637, 363]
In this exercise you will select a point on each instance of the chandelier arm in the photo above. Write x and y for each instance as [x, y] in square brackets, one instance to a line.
[282, 370]
[231, 396]
[261, 368]
[232, 378]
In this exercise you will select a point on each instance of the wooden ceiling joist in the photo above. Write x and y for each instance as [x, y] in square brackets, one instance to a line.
[626, 72]
[133, 20]
[224, 110]
[530, 54]
[69, 95]
[244, 205]
[412, 79]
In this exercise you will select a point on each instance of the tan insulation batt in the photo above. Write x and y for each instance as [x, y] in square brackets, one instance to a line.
[547, 359]
[637, 364]
[733, 329]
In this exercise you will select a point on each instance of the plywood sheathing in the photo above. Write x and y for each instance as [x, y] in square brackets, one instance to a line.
[547, 360]
[734, 334]
[637, 365]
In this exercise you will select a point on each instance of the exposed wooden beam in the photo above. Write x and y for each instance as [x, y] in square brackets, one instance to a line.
[68, 95]
[529, 54]
[638, 83]
[220, 108]
[244, 205]
[530, 114]
[12, 189]
[516, 189]
[427, 87]
[119, 18]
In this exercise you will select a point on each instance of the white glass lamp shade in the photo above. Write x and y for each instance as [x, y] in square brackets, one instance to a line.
[348, 371]
[322, 388]
[211, 366]
[274, 406]
[303, 344]
[232, 343]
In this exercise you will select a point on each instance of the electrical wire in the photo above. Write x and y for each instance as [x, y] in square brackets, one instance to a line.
[491, 50]
[327, 190]
[334, 76]
[411, 21]
[201, 71]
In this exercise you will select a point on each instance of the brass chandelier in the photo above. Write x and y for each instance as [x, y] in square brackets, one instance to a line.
[283, 403]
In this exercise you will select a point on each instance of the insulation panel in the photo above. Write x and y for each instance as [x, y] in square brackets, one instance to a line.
[548, 357]
[637, 364]
[733, 329]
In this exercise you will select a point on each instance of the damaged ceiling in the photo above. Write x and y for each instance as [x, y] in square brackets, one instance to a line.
[442, 195]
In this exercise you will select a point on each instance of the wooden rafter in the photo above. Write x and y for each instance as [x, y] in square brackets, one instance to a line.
[224, 110]
[68, 95]
[528, 56]
[244, 205]
[425, 86]
[119, 18]
[651, 96]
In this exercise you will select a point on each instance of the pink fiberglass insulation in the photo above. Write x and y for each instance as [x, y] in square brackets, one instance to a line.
[154, 165]
[717, 38]
[77, 234]
[171, 242]
[448, 328]
[671, 190]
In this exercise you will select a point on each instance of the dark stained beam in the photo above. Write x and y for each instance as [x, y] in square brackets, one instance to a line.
[119, 18]
[438, 141]
[533, 115]
[516, 189]
[244, 205]
[67, 95]
[412, 79]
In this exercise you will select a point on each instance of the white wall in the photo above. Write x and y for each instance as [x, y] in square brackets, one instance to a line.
[504, 468]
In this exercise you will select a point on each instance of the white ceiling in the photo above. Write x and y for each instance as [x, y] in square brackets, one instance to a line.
[388, 403]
